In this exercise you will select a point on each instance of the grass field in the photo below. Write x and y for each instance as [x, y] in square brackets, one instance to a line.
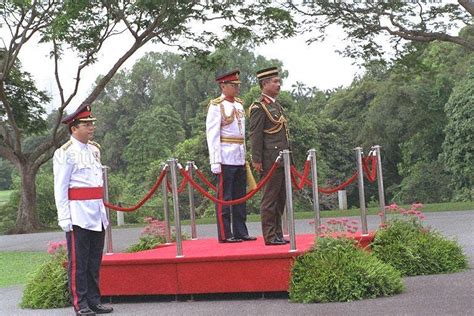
[4, 196]
[15, 266]
[434, 207]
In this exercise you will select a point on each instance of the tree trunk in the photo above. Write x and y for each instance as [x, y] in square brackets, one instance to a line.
[27, 218]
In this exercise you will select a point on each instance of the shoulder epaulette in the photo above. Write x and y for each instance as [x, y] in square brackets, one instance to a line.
[66, 145]
[94, 144]
[239, 100]
[254, 105]
[216, 101]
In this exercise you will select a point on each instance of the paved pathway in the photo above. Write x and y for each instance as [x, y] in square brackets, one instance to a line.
[449, 294]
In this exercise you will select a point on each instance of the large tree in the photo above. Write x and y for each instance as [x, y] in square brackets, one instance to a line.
[83, 27]
[367, 22]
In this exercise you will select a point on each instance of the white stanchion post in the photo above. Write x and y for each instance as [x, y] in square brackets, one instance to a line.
[289, 199]
[360, 182]
[284, 220]
[192, 209]
[177, 221]
[166, 207]
[314, 188]
[380, 182]
[108, 231]
[120, 218]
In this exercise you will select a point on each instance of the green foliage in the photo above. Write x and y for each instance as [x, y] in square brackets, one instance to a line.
[145, 243]
[148, 142]
[46, 206]
[458, 146]
[366, 25]
[415, 250]
[427, 181]
[153, 235]
[6, 170]
[337, 271]
[26, 100]
[47, 286]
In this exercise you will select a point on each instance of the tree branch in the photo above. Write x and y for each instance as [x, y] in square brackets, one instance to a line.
[11, 119]
[468, 5]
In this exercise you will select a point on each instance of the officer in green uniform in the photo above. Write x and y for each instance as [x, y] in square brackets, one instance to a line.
[268, 136]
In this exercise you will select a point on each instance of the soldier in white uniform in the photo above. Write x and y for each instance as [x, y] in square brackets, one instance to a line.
[225, 129]
[81, 212]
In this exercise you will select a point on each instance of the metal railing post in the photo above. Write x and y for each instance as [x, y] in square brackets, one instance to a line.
[314, 188]
[177, 221]
[289, 199]
[380, 183]
[166, 206]
[284, 219]
[108, 232]
[360, 182]
[192, 210]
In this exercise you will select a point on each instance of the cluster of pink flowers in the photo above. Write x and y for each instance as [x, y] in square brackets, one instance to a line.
[414, 210]
[57, 247]
[339, 225]
[155, 227]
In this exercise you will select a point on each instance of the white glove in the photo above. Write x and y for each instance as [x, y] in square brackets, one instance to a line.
[216, 168]
[66, 225]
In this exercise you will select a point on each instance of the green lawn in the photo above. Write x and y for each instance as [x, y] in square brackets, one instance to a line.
[4, 196]
[15, 266]
[435, 207]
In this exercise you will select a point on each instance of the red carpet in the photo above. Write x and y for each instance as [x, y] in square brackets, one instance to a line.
[207, 267]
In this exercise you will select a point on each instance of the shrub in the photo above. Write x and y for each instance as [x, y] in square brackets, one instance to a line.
[335, 270]
[413, 249]
[153, 234]
[47, 286]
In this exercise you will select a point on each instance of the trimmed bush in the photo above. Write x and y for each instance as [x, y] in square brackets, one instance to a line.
[47, 286]
[415, 250]
[153, 235]
[335, 270]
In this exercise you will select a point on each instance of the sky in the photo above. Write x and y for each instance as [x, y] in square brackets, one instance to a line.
[316, 65]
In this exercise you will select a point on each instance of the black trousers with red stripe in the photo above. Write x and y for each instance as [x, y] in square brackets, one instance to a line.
[84, 258]
[233, 217]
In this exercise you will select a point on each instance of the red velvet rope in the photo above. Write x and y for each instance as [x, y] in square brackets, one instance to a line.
[370, 174]
[294, 172]
[231, 202]
[303, 179]
[181, 187]
[146, 198]
[204, 179]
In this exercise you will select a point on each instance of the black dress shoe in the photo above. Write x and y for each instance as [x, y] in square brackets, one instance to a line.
[275, 242]
[85, 311]
[248, 238]
[286, 241]
[101, 309]
[231, 240]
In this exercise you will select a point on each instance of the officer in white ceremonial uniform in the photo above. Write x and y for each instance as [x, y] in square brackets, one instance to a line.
[81, 212]
[225, 129]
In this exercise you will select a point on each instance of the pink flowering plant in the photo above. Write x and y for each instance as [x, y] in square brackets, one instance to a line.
[153, 235]
[57, 248]
[397, 212]
[338, 227]
[414, 249]
[47, 285]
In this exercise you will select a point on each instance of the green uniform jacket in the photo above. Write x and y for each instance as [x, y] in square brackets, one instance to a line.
[268, 131]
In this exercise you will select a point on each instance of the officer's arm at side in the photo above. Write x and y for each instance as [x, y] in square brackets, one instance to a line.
[62, 169]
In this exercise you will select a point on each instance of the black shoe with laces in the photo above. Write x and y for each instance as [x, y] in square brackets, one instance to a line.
[101, 309]
[85, 311]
